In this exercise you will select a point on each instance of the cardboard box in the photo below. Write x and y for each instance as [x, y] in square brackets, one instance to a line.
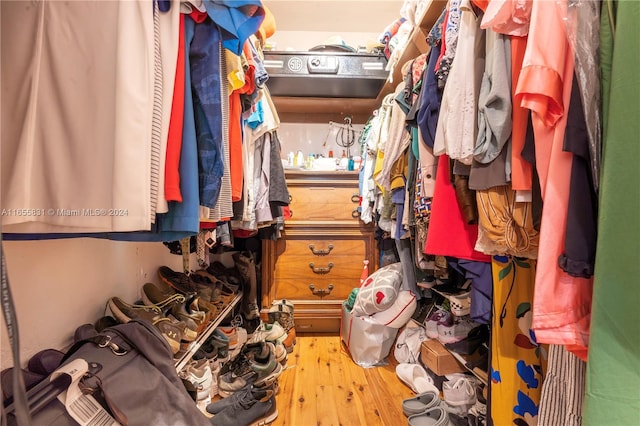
[438, 359]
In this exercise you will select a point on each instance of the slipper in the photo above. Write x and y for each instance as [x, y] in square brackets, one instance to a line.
[416, 377]
[420, 403]
[435, 416]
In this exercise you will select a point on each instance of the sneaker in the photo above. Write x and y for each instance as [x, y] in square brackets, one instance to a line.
[230, 332]
[199, 373]
[431, 323]
[257, 371]
[460, 304]
[283, 314]
[245, 354]
[279, 351]
[215, 366]
[257, 406]
[271, 333]
[172, 331]
[456, 330]
[167, 301]
[219, 405]
[179, 281]
[459, 393]
[230, 276]
[221, 343]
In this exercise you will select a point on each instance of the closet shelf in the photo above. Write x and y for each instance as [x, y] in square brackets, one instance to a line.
[416, 45]
[322, 110]
[195, 345]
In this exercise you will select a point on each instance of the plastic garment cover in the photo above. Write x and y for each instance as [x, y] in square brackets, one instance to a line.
[583, 30]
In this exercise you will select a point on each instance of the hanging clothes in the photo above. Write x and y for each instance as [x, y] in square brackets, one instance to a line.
[56, 132]
[562, 303]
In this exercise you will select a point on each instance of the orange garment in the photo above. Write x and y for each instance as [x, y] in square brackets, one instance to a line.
[174, 140]
[521, 172]
[561, 306]
[268, 26]
[481, 4]
[235, 145]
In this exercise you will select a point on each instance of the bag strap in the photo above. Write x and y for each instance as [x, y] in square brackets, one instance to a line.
[21, 404]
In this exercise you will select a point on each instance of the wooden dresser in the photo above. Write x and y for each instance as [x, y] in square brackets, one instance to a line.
[319, 258]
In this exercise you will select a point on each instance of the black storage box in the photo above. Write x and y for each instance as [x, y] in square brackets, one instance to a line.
[325, 74]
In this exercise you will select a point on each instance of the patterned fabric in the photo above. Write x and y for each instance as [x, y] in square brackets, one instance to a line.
[451, 41]
[563, 389]
[421, 205]
[517, 361]
[435, 34]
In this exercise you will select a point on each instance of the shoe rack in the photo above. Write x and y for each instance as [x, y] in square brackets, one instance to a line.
[195, 345]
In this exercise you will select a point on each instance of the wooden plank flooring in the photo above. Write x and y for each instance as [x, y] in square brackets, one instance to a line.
[322, 386]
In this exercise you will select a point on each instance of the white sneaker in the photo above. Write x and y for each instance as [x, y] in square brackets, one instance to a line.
[456, 332]
[199, 374]
[459, 394]
[269, 333]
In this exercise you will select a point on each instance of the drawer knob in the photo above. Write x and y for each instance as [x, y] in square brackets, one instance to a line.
[321, 270]
[321, 252]
[355, 198]
[322, 292]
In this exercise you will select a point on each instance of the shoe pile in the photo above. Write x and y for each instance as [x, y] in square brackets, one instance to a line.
[248, 382]
[281, 313]
[256, 364]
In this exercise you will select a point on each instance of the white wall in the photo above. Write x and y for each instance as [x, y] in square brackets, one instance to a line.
[314, 138]
[58, 285]
[301, 25]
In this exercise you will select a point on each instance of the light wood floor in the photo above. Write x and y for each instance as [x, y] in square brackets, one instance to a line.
[322, 386]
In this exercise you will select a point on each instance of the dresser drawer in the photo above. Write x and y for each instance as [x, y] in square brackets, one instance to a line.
[323, 289]
[323, 203]
[323, 247]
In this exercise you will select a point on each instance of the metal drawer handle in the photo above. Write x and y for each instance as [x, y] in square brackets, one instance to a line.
[321, 291]
[355, 213]
[321, 271]
[355, 198]
[321, 252]
[290, 198]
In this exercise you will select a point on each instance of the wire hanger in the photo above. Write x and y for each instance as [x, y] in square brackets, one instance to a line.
[346, 134]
